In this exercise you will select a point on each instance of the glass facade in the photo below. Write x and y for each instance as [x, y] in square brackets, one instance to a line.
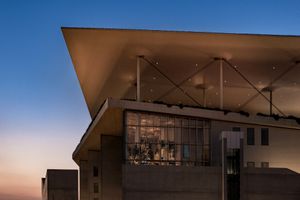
[161, 139]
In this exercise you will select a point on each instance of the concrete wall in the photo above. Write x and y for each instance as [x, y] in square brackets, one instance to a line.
[62, 184]
[111, 167]
[87, 178]
[171, 182]
[270, 184]
[282, 152]
[84, 181]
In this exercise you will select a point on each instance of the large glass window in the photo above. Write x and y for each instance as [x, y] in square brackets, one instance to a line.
[160, 139]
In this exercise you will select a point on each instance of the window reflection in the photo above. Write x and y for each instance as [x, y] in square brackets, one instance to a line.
[157, 139]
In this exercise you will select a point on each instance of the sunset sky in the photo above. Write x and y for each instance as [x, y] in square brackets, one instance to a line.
[42, 110]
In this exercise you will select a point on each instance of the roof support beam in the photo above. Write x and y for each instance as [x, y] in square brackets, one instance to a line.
[253, 86]
[171, 81]
[273, 81]
[138, 78]
[186, 79]
[221, 84]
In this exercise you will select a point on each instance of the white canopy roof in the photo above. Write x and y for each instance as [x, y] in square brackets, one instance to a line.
[105, 63]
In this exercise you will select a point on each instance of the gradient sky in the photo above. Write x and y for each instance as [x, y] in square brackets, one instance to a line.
[42, 111]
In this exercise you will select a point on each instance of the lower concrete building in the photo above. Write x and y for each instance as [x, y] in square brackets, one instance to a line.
[134, 150]
[60, 184]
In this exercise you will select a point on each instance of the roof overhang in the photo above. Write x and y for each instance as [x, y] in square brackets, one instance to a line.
[105, 63]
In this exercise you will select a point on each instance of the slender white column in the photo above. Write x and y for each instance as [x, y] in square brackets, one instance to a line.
[271, 102]
[221, 84]
[204, 97]
[138, 78]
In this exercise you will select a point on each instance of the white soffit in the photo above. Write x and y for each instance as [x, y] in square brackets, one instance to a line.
[105, 63]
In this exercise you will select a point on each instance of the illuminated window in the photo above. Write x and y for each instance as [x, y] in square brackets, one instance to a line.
[250, 136]
[161, 139]
[264, 136]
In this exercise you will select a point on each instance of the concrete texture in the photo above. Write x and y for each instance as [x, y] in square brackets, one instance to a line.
[111, 167]
[171, 182]
[60, 185]
[270, 184]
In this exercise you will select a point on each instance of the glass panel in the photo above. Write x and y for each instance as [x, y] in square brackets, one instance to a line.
[193, 153]
[132, 118]
[186, 151]
[192, 122]
[192, 136]
[171, 137]
[199, 153]
[178, 153]
[178, 135]
[143, 119]
[206, 137]
[171, 121]
[132, 136]
[156, 120]
[185, 122]
[154, 139]
[200, 137]
[164, 121]
[177, 122]
[185, 136]
[200, 123]
[164, 135]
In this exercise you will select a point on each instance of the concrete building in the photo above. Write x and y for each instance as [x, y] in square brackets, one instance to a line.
[174, 115]
[60, 184]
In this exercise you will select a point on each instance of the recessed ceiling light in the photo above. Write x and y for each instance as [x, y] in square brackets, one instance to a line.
[196, 64]
[151, 90]
[190, 79]
[273, 68]
[225, 81]
[235, 66]
[154, 78]
[239, 105]
[156, 62]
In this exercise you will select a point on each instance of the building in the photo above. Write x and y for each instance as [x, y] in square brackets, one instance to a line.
[174, 115]
[60, 184]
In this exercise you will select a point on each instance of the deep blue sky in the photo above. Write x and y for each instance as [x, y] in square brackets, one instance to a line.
[42, 110]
